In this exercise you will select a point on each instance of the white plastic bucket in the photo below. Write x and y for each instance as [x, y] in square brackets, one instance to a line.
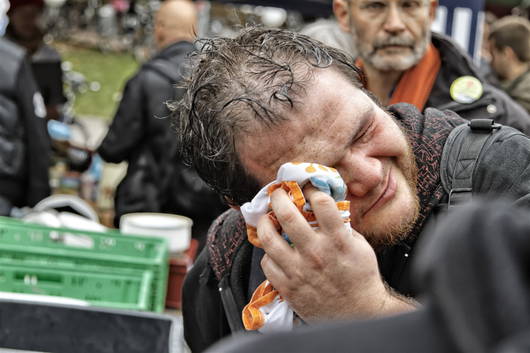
[176, 229]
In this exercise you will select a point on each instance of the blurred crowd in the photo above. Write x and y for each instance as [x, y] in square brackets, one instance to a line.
[216, 109]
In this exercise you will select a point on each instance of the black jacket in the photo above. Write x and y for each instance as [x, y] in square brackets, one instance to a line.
[218, 283]
[493, 104]
[24, 144]
[141, 134]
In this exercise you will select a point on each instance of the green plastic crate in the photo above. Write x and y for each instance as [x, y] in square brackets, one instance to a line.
[126, 289]
[68, 247]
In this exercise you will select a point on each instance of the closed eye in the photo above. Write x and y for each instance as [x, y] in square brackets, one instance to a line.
[375, 5]
[365, 133]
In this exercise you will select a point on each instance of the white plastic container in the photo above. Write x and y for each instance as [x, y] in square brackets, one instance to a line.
[176, 229]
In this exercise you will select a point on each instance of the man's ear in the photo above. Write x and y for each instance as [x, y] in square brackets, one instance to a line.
[433, 5]
[342, 14]
[509, 53]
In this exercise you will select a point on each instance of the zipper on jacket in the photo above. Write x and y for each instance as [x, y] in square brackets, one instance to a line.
[233, 315]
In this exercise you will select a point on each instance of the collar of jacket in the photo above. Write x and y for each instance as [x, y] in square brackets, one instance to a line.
[455, 63]
[511, 85]
[174, 49]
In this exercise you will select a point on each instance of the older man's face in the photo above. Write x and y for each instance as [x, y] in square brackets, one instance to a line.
[390, 35]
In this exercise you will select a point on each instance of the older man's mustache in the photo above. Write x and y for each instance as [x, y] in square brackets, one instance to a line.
[393, 41]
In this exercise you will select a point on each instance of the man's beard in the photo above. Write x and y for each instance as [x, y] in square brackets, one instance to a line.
[369, 53]
[393, 233]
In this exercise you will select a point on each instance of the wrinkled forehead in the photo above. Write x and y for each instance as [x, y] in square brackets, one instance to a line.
[326, 115]
[356, 2]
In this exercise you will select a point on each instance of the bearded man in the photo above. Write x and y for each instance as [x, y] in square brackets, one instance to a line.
[404, 62]
[268, 97]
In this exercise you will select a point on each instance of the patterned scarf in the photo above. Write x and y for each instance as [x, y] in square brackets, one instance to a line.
[427, 134]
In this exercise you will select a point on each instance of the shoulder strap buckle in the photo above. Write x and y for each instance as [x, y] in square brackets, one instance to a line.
[483, 125]
[459, 196]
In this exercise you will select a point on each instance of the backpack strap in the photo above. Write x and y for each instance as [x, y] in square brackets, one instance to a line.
[460, 155]
[233, 314]
[228, 255]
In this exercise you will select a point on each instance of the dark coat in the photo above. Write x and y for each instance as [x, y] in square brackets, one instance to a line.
[229, 263]
[493, 104]
[24, 143]
[519, 89]
[141, 134]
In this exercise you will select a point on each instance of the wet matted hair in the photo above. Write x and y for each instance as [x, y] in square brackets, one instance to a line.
[232, 84]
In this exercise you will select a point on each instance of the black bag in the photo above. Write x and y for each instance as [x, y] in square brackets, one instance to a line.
[138, 191]
[462, 151]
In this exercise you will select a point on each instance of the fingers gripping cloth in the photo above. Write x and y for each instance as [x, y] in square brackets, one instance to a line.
[267, 311]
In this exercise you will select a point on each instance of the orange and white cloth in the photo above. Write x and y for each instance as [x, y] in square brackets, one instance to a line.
[267, 311]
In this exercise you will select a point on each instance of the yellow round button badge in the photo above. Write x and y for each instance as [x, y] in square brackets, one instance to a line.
[466, 89]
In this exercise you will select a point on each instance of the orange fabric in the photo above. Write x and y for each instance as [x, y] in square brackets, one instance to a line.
[295, 193]
[252, 232]
[293, 190]
[416, 83]
[253, 318]
[263, 295]
[252, 236]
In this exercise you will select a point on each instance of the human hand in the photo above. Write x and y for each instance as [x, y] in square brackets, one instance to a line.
[330, 272]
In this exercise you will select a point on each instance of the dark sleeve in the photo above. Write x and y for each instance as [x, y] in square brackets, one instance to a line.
[49, 78]
[521, 94]
[202, 309]
[36, 135]
[127, 127]
[514, 115]
[504, 169]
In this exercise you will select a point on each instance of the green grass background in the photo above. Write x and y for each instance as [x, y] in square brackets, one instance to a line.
[111, 70]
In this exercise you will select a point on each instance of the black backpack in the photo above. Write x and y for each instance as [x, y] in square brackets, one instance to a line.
[461, 153]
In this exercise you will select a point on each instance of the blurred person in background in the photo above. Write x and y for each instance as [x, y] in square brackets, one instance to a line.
[24, 144]
[328, 32]
[509, 43]
[485, 56]
[404, 62]
[25, 28]
[156, 179]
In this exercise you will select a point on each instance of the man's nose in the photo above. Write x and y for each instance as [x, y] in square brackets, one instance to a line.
[394, 21]
[363, 175]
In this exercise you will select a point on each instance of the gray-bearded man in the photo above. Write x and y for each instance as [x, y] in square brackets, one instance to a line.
[404, 62]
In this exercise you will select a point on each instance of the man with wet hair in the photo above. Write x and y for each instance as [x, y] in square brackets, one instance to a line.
[268, 97]
[405, 62]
